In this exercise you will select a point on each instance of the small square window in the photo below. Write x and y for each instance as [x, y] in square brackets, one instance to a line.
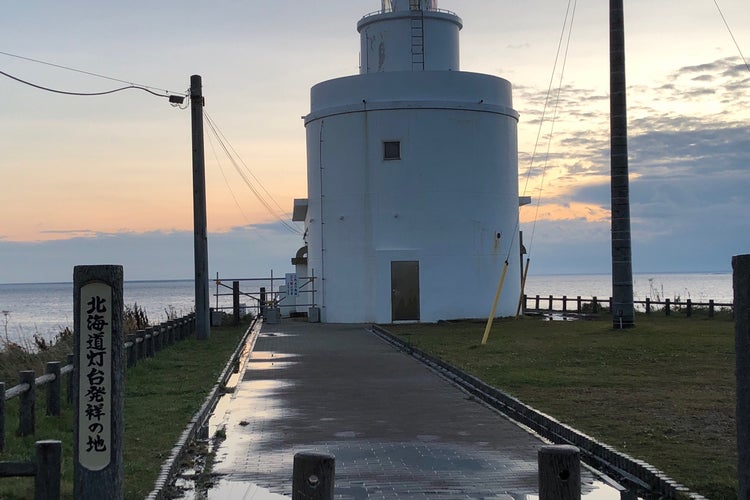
[392, 150]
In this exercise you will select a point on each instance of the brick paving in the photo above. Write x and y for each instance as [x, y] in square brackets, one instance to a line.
[396, 428]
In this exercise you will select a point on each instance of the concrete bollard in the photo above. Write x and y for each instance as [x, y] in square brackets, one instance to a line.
[313, 476]
[559, 473]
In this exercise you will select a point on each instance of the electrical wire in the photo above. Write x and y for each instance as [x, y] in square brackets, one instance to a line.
[568, 15]
[68, 68]
[86, 94]
[279, 215]
[552, 127]
[732, 35]
[226, 181]
[257, 181]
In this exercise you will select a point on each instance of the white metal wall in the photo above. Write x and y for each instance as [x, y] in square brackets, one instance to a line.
[444, 203]
[386, 41]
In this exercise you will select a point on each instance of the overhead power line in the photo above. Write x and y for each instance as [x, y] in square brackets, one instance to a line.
[747, 65]
[254, 184]
[68, 68]
[566, 28]
[175, 99]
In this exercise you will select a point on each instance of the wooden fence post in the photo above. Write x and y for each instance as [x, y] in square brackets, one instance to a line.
[594, 305]
[667, 307]
[2, 416]
[149, 338]
[98, 428]
[536, 305]
[26, 411]
[648, 305]
[176, 325]
[578, 304]
[313, 476]
[565, 303]
[53, 389]
[689, 308]
[741, 282]
[48, 465]
[559, 473]
[131, 352]
[158, 333]
[551, 308]
[140, 345]
[236, 302]
[711, 308]
[71, 379]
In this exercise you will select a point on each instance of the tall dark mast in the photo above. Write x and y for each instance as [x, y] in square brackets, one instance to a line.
[622, 262]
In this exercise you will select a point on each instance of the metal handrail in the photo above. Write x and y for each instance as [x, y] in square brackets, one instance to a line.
[389, 11]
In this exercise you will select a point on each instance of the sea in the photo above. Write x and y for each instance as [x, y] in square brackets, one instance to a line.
[45, 309]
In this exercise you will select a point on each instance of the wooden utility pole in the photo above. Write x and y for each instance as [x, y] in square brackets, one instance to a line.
[623, 314]
[199, 210]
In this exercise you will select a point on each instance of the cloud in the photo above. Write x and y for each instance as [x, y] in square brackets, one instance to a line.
[689, 149]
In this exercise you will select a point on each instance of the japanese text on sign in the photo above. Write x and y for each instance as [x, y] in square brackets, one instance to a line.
[95, 376]
[292, 285]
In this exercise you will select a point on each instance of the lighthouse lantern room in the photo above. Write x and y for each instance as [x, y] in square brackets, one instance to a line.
[412, 171]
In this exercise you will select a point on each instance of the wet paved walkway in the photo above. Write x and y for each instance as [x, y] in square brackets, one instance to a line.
[396, 428]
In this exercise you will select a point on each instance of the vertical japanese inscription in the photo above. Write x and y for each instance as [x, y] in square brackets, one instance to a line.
[95, 377]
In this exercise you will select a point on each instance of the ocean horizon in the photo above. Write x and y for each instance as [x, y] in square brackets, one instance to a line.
[45, 309]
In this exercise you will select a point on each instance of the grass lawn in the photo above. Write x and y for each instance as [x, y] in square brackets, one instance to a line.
[161, 396]
[663, 392]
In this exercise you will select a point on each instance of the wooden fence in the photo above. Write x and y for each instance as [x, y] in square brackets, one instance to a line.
[143, 344]
[594, 305]
[45, 469]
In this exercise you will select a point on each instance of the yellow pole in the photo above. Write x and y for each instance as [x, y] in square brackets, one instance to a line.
[494, 304]
[523, 288]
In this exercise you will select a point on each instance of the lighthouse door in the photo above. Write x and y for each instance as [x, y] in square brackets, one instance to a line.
[405, 290]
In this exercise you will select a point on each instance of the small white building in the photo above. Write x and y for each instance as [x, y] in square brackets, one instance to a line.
[412, 171]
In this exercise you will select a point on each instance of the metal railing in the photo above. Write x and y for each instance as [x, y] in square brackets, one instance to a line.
[388, 8]
[262, 297]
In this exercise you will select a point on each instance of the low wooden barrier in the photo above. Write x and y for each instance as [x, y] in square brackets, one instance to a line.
[144, 344]
[46, 469]
[594, 305]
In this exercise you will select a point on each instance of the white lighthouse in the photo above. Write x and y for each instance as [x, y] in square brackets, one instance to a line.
[412, 171]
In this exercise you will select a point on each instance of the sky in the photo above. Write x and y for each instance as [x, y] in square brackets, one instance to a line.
[108, 179]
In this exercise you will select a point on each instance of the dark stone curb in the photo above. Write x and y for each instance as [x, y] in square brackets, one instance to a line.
[640, 477]
[172, 465]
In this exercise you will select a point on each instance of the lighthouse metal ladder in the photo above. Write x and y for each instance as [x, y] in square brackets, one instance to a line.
[417, 37]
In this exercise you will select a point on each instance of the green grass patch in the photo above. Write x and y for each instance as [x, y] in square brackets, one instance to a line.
[161, 396]
[663, 392]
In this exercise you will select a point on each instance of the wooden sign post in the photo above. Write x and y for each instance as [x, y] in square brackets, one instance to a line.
[99, 372]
